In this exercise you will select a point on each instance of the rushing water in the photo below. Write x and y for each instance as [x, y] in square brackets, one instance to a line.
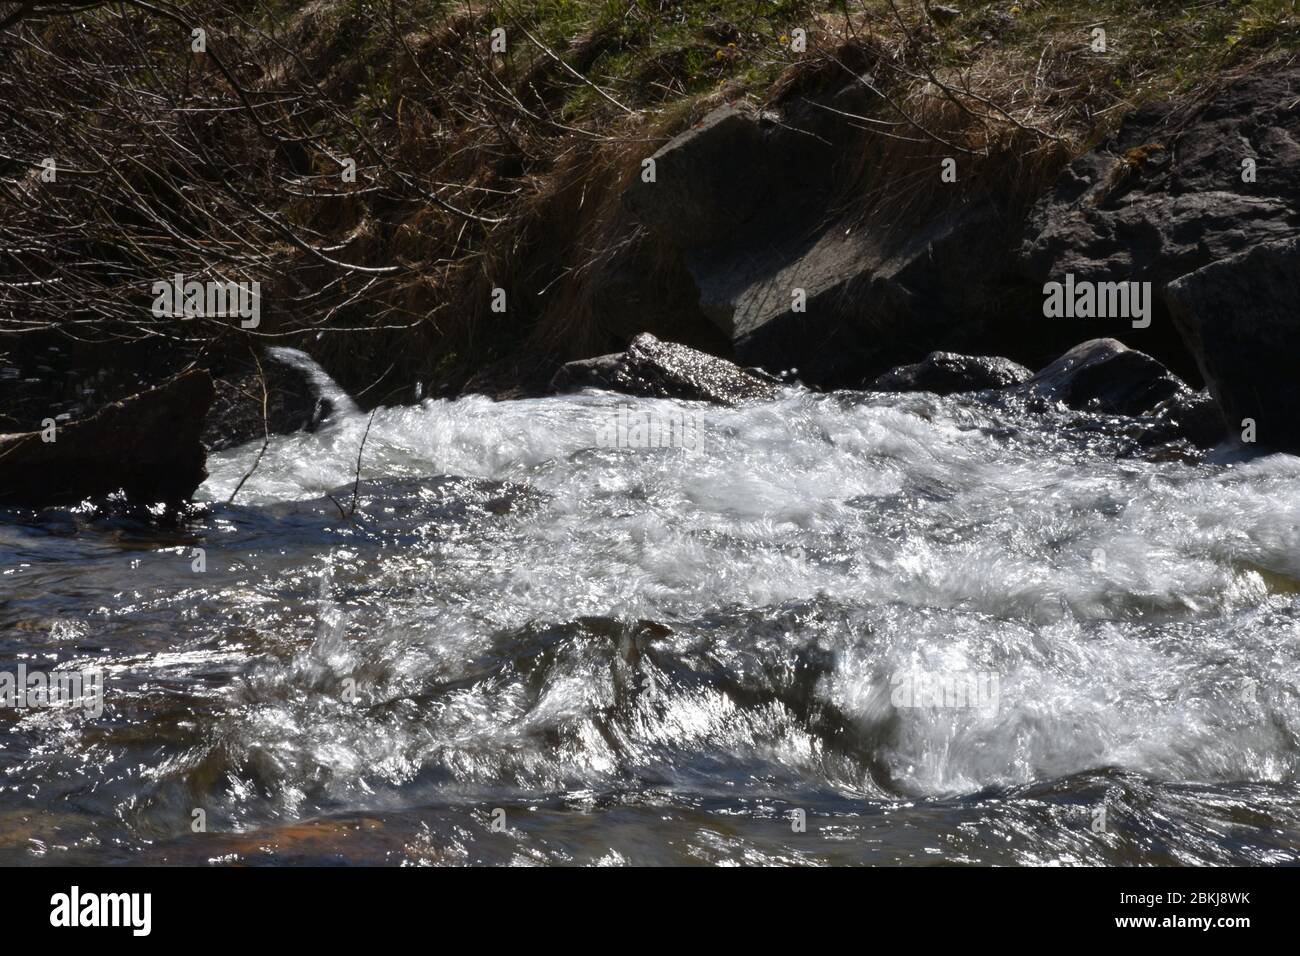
[644, 655]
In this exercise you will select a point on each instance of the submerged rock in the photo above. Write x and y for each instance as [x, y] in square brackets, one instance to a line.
[147, 445]
[1103, 375]
[1182, 428]
[946, 373]
[658, 369]
[1238, 317]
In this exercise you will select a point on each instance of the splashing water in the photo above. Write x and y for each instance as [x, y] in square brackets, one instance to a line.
[931, 629]
[324, 386]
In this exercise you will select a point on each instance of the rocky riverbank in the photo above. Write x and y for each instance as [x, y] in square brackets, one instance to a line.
[789, 239]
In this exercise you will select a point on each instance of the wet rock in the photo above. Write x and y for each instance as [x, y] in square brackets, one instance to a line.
[670, 370]
[658, 369]
[946, 373]
[1103, 375]
[1238, 316]
[146, 445]
[1181, 428]
[1194, 417]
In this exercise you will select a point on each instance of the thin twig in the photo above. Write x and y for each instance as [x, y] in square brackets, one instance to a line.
[545, 49]
[266, 432]
[356, 485]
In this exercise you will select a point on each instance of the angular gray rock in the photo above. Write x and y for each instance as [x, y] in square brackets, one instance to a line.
[1239, 318]
[658, 369]
[946, 373]
[1103, 375]
[1166, 194]
[1181, 185]
[744, 200]
[747, 204]
[146, 445]
[701, 193]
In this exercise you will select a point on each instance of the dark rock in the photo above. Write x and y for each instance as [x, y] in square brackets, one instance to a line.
[658, 369]
[88, 376]
[237, 414]
[867, 301]
[1165, 196]
[946, 373]
[701, 194]
[146, 445]
[1181, 428]
[1238, 316]
[595, 372]
[45, 375]
[1193, 417]
[743, 199]
[1106, 376]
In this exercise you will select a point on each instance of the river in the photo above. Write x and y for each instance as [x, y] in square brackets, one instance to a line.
[830, 628]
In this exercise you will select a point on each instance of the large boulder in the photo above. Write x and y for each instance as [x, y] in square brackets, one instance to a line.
[701, 193]
[747, 200]
[658, 369]
[1166, 194]
[946, 373]
[1239, 318]
[1106, 376]
[147, 445]
[1181, 185]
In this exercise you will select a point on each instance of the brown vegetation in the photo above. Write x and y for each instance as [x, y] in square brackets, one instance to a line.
[478, 170]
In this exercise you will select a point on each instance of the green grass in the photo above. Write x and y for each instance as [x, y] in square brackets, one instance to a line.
[650, 53]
